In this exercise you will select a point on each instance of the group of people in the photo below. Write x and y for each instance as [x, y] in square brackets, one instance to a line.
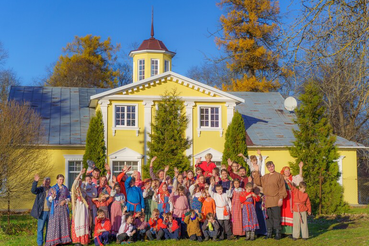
[210, 203]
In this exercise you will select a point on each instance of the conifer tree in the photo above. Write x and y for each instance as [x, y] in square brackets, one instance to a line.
[315, 146]
[249, 38]
[168, 141]
[95, 143]
[235, 141]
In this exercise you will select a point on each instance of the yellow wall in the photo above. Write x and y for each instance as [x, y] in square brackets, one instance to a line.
[147, 57]
[57, 163]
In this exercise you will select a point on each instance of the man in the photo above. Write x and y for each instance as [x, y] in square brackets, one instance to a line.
[242, 176]
[40, 209]
[275, 191]
[96, 174]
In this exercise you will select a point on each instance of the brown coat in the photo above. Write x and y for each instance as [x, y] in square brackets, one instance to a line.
[193, 226]
[274, 187]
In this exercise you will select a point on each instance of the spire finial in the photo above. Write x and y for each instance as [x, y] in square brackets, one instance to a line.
[152, 22]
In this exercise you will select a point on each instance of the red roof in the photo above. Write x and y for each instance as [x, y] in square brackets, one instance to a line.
[152, 44]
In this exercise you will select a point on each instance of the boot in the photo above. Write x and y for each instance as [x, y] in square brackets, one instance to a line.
[277, 234]
[269, 233]
[252, 236]
[247, 235]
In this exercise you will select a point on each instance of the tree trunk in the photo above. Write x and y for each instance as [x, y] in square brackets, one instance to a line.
[8, 198]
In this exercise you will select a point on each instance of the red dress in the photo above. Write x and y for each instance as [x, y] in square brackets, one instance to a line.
[82, 240]
[236, 213]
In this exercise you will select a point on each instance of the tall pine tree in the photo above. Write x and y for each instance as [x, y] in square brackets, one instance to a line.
[315, 146]
[95, 143]
[235, 141]
[168, 141]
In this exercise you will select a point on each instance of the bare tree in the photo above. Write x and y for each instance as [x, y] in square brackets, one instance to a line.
[8, 78]
[21, 156]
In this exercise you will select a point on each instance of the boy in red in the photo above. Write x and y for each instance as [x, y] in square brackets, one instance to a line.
[172, 230]
[103, 204]
[156, 226]
[206, 166]
[301, 205]
[102, 228]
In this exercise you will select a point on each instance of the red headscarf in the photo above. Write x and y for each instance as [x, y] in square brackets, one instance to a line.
[282, 172]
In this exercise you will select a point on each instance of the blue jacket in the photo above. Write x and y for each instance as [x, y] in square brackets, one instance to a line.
[38, 205]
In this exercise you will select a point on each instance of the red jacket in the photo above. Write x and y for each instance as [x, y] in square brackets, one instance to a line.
[121, 178]
[99, 226]
[301, 201]
[157, 224]
[207, 168]
[174, 226]
[243, 180]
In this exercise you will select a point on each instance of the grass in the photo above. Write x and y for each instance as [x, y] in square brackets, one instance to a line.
[349, 229]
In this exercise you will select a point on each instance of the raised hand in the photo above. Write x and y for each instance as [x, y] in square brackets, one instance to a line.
[114, 179]
[37, 178]
[212, 181]
[240, 155]
[83, 171]
[198, 160]
[152, 161]
[107, 167]
[301, 164]
[166, 168]
[125, 209]
[259, 152]
[229, 162]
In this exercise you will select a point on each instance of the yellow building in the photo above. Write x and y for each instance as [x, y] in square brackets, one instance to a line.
[128, 112]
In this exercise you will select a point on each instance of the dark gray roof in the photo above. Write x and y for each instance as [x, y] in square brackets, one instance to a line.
[64, 111]
[268, 123]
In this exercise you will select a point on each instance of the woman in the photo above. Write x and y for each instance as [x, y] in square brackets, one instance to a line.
[58, 230]
[80, 216]
[286, 209]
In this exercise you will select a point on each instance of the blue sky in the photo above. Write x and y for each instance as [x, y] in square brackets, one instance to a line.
[34, 32]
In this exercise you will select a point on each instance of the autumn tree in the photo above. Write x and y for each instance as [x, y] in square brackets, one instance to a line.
[8, 77]
[21, 156]
[87, 62]
[249, 38]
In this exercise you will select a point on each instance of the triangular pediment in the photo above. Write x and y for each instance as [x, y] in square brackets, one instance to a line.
[125, 153]
[217, 155]
[169, 79]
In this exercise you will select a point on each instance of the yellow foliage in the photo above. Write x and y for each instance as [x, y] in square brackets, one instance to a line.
[251, 84]
[248, 36]
[87, 63]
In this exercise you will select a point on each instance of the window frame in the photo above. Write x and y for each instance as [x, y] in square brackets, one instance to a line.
[69, 158]
[138, 69]
[135, 127]
[209, 128]
[166, 62]
[151, 68]
[125, 160]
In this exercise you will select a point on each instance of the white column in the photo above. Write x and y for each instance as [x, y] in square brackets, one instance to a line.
[230, 111]
[189, 130]
[104, 111]
[262, 171]
[147, 124]
[340, 168]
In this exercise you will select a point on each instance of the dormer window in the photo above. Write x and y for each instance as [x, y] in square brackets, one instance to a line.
[154, 67]
[141, 69]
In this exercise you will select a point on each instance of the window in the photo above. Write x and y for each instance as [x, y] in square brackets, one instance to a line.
[218, 164]
[154, 67]
[141, 69]
[125, 115]
[209, 117]
[166, 66]
[74, 168]
[118, 166]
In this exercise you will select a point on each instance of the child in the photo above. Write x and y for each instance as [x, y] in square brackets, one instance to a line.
[208, 204]
[236, 211]
[207, 166]
[189, 179]
[301, 205]
[172, 230]
[162, 197]
[254, 160]
[210, 228]
[102, 204]
[116, 208]
[135, 201]
[216, 175]
[193, 225]
[91, 192]
[141, 226]
[249, 218]
[180, 207]
[102, 228]
[198, 172]
[156, 226]
[196, 195]
[126, 229]
[260, 211]
[224, 181]
[223, 205]
[147, 194]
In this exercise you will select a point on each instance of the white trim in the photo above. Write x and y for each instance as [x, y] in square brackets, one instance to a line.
[126, 154]
[230, 112]
[104, 111]
[189, 130]
[147, 124]
[151, 60]
[138, 69]
[135, 52]
[174, 76]
[216, 129]
[67, 159]
[157, 98]
[168, 65]
[135, 128]
[340, 168]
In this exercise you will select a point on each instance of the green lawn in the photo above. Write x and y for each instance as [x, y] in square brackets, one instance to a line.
[350, 229]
